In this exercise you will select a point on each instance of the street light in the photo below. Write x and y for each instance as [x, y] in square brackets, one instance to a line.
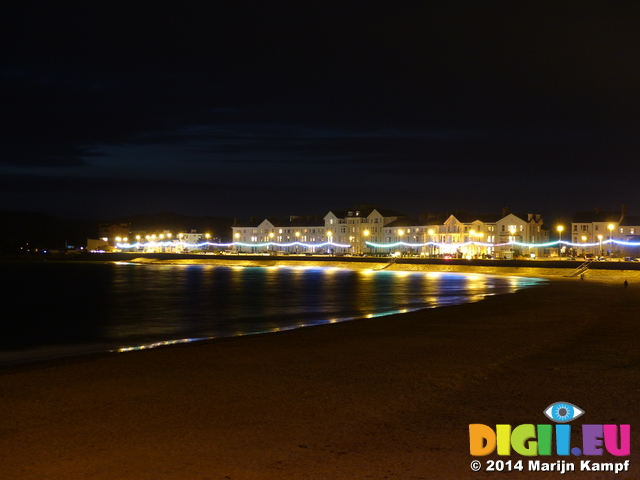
[472, 233]
[512, 231]
[610, 227]
[560, 228]
[479, 235]
[431, 232]
[600, 238]
[366, 234]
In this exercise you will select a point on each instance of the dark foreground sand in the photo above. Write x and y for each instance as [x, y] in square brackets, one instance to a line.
[389, 397]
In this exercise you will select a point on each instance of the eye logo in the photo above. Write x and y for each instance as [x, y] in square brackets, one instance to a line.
[563, 412]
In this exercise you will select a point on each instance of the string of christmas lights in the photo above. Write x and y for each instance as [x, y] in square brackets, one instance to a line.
[519, 244]
[371, 244]
[227, 245]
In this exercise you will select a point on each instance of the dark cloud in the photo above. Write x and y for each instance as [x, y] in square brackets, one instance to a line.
[329, 93]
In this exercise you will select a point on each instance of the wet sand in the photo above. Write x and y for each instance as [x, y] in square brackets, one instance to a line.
[381, 398]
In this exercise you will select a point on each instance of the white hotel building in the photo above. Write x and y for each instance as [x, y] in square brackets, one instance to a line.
[591, 230]
[367, 229]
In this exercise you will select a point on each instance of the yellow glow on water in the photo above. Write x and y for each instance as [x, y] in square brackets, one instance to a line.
[514, 282]
[370, 315]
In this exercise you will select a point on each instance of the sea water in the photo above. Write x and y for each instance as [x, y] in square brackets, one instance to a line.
[58, 309]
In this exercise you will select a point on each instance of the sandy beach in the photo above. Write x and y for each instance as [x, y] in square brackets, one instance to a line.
[381, 398]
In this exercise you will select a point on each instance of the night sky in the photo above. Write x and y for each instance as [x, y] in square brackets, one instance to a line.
[237, 108]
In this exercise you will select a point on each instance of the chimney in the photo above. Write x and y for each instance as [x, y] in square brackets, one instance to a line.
[598, 209]
[624, 211]
[505, 211]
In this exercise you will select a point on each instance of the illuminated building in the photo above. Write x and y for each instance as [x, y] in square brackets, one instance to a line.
[347, 231]
[592, 232]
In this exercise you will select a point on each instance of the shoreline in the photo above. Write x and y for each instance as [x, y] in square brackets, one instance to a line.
[542, 268]
[39, 358]
[389, 397]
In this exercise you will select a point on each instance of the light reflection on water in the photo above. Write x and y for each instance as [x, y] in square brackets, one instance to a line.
[183, 301]
[128, 305]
